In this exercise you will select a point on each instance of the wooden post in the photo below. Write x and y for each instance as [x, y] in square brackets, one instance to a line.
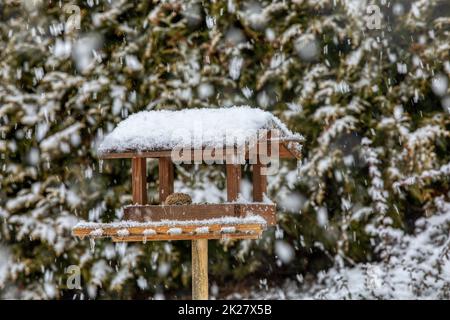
[233, 181]
[165, 178]
[259, 183]
[200, 246]
[200, 269]
[139, 180]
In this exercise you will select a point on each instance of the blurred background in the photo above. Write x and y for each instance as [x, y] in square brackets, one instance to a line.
[365, 214]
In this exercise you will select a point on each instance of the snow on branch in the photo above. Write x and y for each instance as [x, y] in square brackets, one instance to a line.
[433, 175]
[376, 190]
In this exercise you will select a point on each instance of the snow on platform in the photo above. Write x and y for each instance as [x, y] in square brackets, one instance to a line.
[250, 227]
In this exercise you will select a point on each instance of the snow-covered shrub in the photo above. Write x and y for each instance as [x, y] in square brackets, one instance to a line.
[412, 266]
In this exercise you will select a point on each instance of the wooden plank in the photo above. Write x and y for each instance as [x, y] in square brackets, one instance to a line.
[200, 269]
[135, 154]
[165, 178]
[286, 151]
[285, 139]
[267, 211]
[259, 183]
[241, 232]
[112, 231]
[179, 212]
[139, 180]
[160, 153]
[150, 213]
[233, 181]
[151, 154]
[138, 234]
[231, 236]
[163, 230]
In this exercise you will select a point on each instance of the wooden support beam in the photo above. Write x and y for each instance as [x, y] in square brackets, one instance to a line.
[233, 181]
[139, 180]
[165, 178]
[259, 183]
[200, 269]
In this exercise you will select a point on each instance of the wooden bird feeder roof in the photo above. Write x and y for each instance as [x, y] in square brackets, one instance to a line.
[154, 134]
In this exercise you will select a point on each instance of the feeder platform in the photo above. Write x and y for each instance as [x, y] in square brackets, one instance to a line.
[250, 227]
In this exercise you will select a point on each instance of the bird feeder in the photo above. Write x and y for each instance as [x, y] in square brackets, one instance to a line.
[230, 137]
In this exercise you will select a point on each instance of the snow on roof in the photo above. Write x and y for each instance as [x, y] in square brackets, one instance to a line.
[207, 127]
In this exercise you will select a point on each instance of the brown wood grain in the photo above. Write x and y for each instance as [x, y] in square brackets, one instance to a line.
[287, 150]
[216, 236]
[259, 183]
[139, 180]
[267, 211]
[109, 231]
[200, 269]
[233, 181]
[199, 212]
[135, 154]
[241, 231]
[165, 178]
